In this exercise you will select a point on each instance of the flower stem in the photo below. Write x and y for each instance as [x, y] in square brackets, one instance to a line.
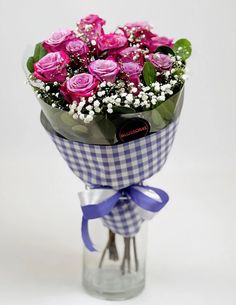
[111, 248]
[113, 253]
[135, 255]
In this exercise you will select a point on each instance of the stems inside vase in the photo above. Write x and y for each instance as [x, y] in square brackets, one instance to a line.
[111, 248]
[113, 252]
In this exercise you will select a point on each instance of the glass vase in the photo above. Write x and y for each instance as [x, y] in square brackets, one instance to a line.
[116, 271]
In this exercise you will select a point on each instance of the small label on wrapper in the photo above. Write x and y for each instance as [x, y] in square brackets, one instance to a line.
[133, 129]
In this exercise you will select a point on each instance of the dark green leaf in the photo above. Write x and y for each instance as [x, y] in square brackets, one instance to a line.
[149, 73]
[39, 52]
[108, 130]
[183, 48]
[165, 50]
[103, 54]
[42, 53]
[120, 109]
[30, 64]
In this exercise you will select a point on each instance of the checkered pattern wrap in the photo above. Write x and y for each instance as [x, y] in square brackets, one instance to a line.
[124, 219]
[119, 166]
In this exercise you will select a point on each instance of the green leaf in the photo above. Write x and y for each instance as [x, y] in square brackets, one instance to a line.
[149, 73]
[157, 119]
[39, 52]
[80, 129]
[108, 130]
[166, 109]
[67, 119]
[179, 71]
[165, 50]
[183, 48]
[120, 109]
[30, 64]
[42, 53]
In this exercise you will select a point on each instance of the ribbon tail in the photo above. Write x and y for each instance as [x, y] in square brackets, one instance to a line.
[85, 235]
[146, 202]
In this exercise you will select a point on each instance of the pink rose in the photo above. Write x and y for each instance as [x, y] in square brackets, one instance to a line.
[105, 70]
[141, 34]
[52, 67]
[111, 41]
[80, 85]
[164, 41]
[153, 41]
[91, 26]
[131, 72]
[135, 26]
[93, 19]
[149, 40]
[77, 47]
[161, 61]
[131, 54]
[58, 40]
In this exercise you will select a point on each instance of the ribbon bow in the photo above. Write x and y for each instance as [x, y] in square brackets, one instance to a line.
[98, 202]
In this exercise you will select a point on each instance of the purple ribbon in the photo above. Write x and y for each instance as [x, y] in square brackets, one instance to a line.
[93, 211]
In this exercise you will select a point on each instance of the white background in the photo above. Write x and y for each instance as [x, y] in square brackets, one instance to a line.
[191, 250]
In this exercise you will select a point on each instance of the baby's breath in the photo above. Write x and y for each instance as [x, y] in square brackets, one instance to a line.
[109, 96]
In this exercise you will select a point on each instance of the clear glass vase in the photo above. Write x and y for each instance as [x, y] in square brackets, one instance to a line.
[117, 270]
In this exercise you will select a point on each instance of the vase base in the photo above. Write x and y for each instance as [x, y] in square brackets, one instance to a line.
[112, 285]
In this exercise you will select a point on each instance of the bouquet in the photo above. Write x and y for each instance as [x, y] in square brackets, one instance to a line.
[111, 103]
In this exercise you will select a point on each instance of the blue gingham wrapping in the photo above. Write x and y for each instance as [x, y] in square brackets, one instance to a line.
[124, 219]
[119, 166]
